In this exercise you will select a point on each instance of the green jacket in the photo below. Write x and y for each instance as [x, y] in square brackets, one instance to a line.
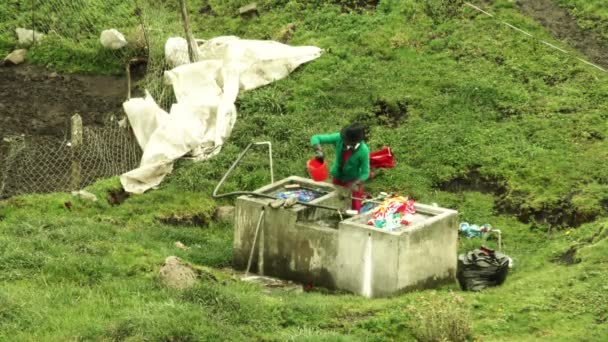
[356, 166]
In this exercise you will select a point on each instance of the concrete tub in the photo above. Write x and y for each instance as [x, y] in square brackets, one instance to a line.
[314, 246]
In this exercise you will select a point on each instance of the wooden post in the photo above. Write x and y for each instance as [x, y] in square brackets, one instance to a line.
[76, 143]
[192, 47]
[3, 165]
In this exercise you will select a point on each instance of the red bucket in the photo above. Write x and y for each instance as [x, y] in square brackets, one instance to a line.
[317, 170]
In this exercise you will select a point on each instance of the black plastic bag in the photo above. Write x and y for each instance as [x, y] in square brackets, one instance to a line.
[481, 268]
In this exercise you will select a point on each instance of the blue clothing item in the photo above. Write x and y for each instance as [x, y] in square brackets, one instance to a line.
[300, 195]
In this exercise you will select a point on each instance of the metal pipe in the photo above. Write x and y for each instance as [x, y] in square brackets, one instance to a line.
[255, 194]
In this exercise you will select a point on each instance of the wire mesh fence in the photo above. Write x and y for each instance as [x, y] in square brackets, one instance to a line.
[47, 164]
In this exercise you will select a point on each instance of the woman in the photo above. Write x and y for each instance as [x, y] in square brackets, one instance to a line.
[351, 167]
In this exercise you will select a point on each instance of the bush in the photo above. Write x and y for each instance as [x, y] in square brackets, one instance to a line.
[438, 318]
[442, 10]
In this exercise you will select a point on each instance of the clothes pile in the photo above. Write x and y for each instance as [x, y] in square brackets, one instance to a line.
[301, 195]
[392, 213]
[473, 230]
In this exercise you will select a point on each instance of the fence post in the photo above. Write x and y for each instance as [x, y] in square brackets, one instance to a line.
[76, 143]
[192, 46]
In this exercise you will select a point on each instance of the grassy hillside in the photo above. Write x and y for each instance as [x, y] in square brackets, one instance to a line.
[590, 14]
[481, 120]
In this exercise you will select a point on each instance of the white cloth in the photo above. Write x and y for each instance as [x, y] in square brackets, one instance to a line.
[204, 115]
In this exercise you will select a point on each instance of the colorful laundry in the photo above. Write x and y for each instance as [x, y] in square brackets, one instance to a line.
[300, 195]
[393, 213]
[474, 230]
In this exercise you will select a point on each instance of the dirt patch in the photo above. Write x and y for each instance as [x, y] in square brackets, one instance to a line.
[35, 101]
[473, 181]
[568, 257]
[563, 26]
[197, 220]
[560, 214]
[357, 5]
[391, 113]
[117, 197]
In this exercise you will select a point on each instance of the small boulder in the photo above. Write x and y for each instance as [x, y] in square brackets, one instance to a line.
[85, 195]
[15, 57]
[180, 245]
[28, 37]
[176, 274]
[224, 214]
[249, 11]
[112, 39]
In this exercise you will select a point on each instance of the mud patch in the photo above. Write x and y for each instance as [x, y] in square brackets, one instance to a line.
[473, 181]
[560, 214]
[117, 197]
[190, 220]
[390, 113]
[357, 5]
[563, 26]
[35, 101]
[568, 257]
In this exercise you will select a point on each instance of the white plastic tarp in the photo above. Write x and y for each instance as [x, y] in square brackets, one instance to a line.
[204, 115]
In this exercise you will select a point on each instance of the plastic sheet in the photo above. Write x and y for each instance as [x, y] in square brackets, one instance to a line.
[482, 268]
[204, 115]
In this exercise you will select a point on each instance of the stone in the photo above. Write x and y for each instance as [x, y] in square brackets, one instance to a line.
[224, 214]
[112, 39]
[27, 37]
[180, 245]
[249, 11]
[83, 194]
[286, 33]
[16, 57]
[176, 274]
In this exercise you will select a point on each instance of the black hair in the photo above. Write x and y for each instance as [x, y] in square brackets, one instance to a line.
[354, 133]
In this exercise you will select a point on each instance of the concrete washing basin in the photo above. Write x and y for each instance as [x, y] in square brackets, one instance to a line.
[316, 246]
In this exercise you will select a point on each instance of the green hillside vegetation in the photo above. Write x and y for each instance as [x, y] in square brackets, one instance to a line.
[590, 14]
[481, 119]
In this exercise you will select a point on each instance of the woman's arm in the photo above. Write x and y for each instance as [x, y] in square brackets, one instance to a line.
[324, 139]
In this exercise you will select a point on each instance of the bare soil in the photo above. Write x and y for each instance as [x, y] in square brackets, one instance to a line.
[35, 101]
[563, 26]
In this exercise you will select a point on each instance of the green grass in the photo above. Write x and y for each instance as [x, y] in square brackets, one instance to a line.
[480, 100]
[590, 14]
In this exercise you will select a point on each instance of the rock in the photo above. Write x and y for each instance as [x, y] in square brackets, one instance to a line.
[15, 57]
[176, 274]
[286, 33]
[27, 37]
[53, 75]
[224, 214]
[112, 39]
[83, 194]
[249, 11]
[180, 245]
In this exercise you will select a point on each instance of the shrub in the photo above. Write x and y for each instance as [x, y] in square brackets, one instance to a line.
[437, 318]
